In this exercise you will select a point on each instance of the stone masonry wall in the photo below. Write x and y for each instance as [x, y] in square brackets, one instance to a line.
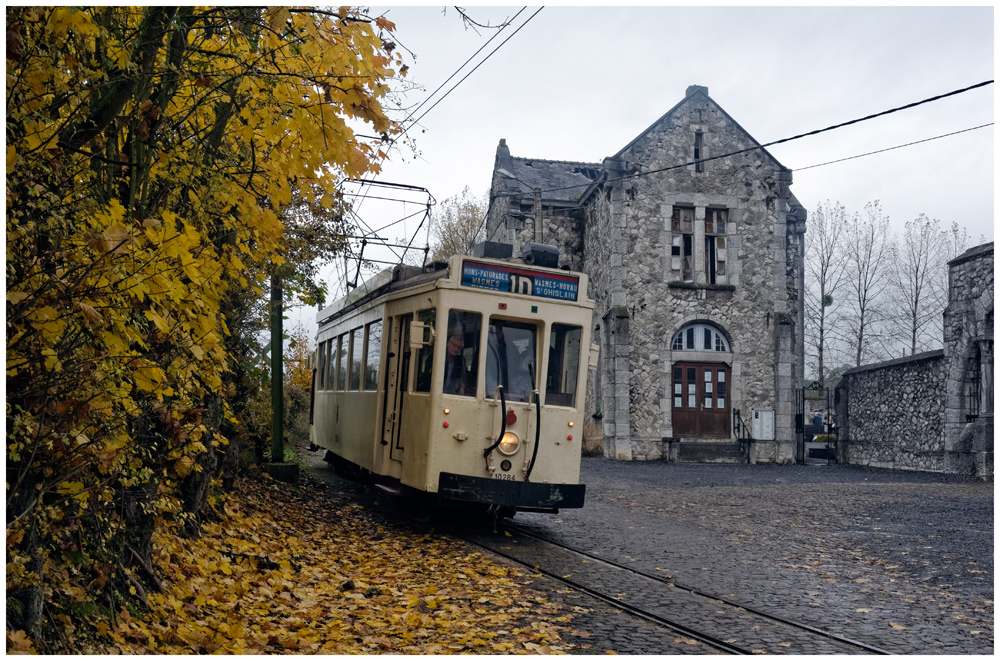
[968, 338]
[890, 414]
[747, 308]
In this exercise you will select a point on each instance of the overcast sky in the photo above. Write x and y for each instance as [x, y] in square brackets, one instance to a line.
[579, 83]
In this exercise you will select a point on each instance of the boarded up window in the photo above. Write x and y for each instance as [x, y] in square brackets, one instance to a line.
[682, 243]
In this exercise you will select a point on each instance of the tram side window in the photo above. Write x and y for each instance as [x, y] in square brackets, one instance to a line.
[340, 365]
[564, 365]
[511, 359]
[320, 384]
[425, 355]
[461, 361]
[373, 344]
[354, 372]
[331, 374]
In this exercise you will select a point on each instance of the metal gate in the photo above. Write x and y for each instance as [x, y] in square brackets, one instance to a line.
[816, 425]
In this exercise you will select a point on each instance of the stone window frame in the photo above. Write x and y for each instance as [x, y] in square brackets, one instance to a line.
[695, 330]
[682, 243]
[701, 273]
[716, 252]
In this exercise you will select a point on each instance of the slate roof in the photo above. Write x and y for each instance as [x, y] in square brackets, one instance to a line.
[569, 181]
[560, 181]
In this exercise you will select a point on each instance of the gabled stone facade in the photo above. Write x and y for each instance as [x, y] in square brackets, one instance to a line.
[693, 243]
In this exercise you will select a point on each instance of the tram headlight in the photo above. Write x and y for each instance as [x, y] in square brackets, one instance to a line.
[509, 443]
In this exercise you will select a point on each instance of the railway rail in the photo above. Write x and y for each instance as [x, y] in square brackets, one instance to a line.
[721, 624]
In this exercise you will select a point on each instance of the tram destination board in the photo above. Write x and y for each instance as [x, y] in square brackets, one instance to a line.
[520, 281]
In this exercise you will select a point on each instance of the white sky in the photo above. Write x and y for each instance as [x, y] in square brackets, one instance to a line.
[579, 83]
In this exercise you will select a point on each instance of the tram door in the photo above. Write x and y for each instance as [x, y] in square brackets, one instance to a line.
[396, 375]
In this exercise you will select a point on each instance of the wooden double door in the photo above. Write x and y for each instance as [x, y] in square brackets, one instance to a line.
[701, 394]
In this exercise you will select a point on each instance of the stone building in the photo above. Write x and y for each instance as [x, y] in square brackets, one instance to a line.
[932, 411]
[693, 242]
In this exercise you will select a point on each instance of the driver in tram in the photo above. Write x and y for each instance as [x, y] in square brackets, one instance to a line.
[456, 376]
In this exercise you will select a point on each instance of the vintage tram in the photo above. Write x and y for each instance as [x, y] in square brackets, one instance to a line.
[460, 383]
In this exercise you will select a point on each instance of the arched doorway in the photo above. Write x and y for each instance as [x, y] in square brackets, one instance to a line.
[701, 387]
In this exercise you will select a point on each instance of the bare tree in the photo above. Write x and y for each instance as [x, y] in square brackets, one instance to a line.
[824, 279]
[868, 251]
[920, 281]
[458, 225]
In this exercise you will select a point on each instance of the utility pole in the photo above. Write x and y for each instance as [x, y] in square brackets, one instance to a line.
[277, 374]
[278, 469]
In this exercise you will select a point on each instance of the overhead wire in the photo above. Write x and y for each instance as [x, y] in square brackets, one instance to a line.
[471, 57]
[797, 137]
[908, 144]
[789, 139]
[483, 61]
[416, 121]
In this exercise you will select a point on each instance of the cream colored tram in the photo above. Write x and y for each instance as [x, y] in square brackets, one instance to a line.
[465, 382]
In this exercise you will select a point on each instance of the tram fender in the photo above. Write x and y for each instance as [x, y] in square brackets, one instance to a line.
[508, 493]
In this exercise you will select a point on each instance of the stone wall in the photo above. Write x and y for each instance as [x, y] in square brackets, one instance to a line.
[932, 411]
[968, 349]
[889, 415]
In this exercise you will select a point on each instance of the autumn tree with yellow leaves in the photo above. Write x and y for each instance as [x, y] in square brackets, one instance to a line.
[158, 163]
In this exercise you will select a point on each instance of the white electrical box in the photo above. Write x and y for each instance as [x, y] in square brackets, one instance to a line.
[762, 424]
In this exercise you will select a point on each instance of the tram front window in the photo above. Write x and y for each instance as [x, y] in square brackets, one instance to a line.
[511, 359]
[564, 365]
[461, 360]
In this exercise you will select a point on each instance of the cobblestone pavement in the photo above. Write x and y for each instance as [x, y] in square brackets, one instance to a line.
[902, 561]
[899, 560]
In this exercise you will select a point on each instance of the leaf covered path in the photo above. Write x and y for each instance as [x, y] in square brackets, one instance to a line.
[302, 569]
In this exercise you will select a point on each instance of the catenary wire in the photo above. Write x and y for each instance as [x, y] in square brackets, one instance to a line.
[362, 194]
[481, 62]
[794, 137]
[908, 144]
[471, 57]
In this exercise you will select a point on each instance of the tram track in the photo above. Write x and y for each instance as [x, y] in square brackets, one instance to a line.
[721, 624]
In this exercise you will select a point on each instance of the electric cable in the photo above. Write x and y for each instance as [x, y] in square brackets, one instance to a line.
[483, 61]
[784, 140]
[908, 144]
[471, 57]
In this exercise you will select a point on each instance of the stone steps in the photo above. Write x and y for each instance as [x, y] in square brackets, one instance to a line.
[723, 453]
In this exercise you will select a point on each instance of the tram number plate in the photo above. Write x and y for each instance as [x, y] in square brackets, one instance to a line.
[503, 476]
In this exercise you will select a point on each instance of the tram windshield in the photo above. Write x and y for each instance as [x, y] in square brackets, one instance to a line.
[511, 359]
[461, 360]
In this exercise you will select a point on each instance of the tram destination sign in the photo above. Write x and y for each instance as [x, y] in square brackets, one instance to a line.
[520, 281]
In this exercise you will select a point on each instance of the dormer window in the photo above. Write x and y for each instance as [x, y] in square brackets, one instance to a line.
[700, 337]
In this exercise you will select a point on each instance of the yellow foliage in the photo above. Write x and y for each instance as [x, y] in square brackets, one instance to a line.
[147, 147]
[276, 574]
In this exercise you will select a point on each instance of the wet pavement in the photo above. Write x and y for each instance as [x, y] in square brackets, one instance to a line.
[899, 560]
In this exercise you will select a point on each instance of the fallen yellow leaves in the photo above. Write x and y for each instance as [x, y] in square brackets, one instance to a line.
[283, 573]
